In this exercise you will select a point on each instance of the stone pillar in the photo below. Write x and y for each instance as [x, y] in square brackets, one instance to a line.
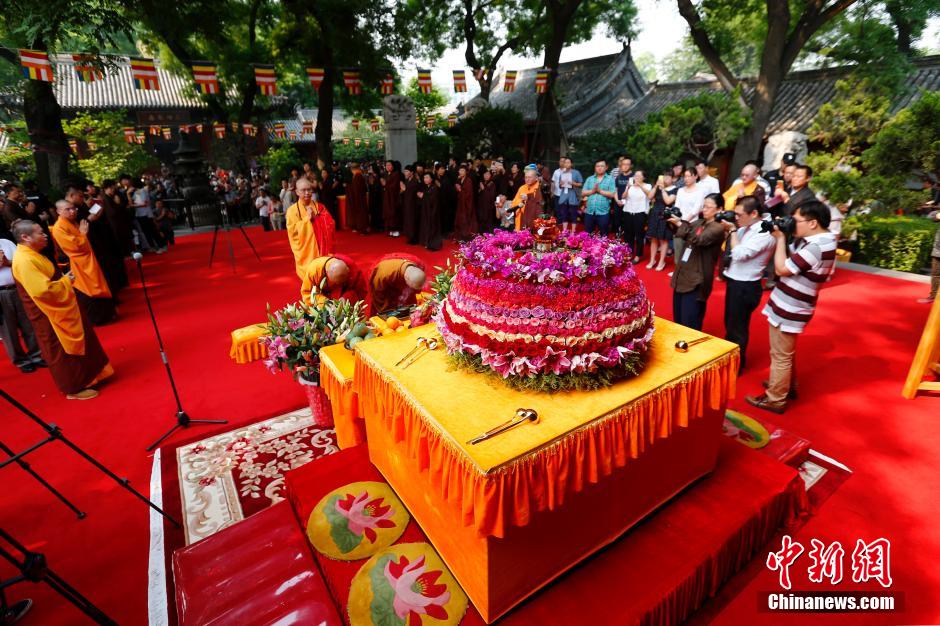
[401, 137]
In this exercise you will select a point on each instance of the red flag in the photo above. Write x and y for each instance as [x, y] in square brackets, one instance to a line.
[355, 123]
[219, 130]
[374, 123]
[307, 127]
[248, 129]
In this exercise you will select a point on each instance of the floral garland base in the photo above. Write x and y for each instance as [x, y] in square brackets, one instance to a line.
[549, 382]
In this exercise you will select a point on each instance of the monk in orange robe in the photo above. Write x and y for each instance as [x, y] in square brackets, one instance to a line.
[343, 279]
[310, 228]
[66, 338]
[394, 282]
[528, 201]
[357, 205]
[71, 237]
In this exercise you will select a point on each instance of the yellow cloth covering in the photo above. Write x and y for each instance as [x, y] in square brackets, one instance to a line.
[337, 366]
[245, 346]
[89, 279]
[582, 436]
[55, 298]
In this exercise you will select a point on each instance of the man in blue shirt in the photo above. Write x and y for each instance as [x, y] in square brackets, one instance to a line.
[599, 189]
[568, 182]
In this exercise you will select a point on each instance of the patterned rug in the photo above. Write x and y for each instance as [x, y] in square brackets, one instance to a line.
[225, 478]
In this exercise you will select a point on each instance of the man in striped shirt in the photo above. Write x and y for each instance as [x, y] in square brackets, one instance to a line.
[810, 263]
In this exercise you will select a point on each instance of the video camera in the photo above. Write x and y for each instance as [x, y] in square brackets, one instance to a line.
[785, 224]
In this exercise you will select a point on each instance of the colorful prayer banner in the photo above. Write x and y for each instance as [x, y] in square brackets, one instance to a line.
[73, 145]
[307, 127]
[355, 123]
[541, 81]
[315, 76]
[185, 128]
[509, 81]
[205, 75]
[248, 129]
[380, 144]
[266, 79]
[293, 135]
[388, 85]
[141, 137]
[352, 82]
[424, 81]
[167, 133]
[452, 120]
[130, 135]
[366, 142]
[234, 127]
[374, 123]
[279, 130]
[219, 130]
[85, 68]
[144, 73]
[92, 146]
[430, 122]
[460, 81]
[345, 141]
[35, 65]
[154, 129]
[198, 128]
[357, 141]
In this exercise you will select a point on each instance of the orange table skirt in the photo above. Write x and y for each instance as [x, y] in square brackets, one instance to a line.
[336, 368]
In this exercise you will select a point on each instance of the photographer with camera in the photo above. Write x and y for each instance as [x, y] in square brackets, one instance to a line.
[695, 268]
[748, 249]
[808, 263]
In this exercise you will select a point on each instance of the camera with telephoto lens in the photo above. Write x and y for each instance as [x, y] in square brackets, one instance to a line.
[785, 224]
[671, 211]
[725, 216]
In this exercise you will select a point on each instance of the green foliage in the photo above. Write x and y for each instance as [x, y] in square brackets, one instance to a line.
[910, 142]
[893, 241]
[846, 124]
[488, 133]
[360, 153]
[280, 159]
[16, 161]
[112, 154]
[433, 146]
[426, 104]
[345, 539]
[697, 126]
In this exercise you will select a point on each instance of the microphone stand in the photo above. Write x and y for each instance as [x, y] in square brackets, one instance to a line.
[182, 419]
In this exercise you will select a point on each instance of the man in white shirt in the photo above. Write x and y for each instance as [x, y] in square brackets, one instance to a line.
[15, 323]
[556, 183]
[705, 180]
[748, 251]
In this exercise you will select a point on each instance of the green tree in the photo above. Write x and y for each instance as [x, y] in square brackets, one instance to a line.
[16, 159]
[106, 154]
[488, 133]
[845, 125]
[909, 144]
[279, 160]
[92, 26]
[426, 104]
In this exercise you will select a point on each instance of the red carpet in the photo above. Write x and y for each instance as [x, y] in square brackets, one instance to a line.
[852, 364]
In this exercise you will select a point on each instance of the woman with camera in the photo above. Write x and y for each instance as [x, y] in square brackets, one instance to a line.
[695, 266]
[657, 229]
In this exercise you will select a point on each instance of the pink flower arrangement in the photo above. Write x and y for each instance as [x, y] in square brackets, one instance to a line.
[417, 591]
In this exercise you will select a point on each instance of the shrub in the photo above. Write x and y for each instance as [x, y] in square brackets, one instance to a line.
[112, 154]
[893, 242]
[279, 160]
[488, 133]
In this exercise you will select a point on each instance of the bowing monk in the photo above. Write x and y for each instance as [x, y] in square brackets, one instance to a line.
[465, 223]
[357, 203]
[310, 229]
[66, 339]
[343, 279]
[71, 236]
[528, 201]
[394, 282]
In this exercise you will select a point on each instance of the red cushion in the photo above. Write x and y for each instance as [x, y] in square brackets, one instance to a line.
[258, 571]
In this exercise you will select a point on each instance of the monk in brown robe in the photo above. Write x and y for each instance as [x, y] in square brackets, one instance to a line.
[465, 223]
[343, 277]
[115, 209]
[310, 228]
[103, 242]
[357, 203]
[410, 205]
[394, 282]
[71, 236]
[486, 203]
[391, 199]
[429, 234]
[66, 338]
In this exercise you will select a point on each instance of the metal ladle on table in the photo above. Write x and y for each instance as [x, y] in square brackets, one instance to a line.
[420, 343]
[429, 345]
[683, 346]
[522, 416]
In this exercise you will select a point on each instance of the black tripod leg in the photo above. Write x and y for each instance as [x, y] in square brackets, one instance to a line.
[250, 245]
[231, 248]
[215, 235]
[42, 481]
[81, 602]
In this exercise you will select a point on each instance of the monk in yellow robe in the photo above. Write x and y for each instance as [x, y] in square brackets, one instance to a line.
[71, 237]
[66, 338]
[343, 279]
[528, 201]
[310, 228]
[745, 186]
[394, 282]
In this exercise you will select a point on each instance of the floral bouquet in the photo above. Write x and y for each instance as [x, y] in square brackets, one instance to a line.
[295, 334]
[440, 287]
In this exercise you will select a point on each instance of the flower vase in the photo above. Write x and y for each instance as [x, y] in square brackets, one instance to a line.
[320, 407]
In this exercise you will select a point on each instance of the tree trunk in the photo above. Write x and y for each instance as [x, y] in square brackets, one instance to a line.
[762, 105]
[44, 123]
[548, 131]
[324, 130]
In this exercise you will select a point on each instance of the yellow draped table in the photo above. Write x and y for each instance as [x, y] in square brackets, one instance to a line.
[337, 365]
[510, 514]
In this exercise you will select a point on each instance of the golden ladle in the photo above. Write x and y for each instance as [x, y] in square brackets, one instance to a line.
[683, 346]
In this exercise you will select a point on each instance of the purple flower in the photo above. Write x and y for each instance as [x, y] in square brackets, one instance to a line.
[277, 347]
[295, 324]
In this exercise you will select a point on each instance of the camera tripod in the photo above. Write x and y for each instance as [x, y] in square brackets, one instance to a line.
[225, 223]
